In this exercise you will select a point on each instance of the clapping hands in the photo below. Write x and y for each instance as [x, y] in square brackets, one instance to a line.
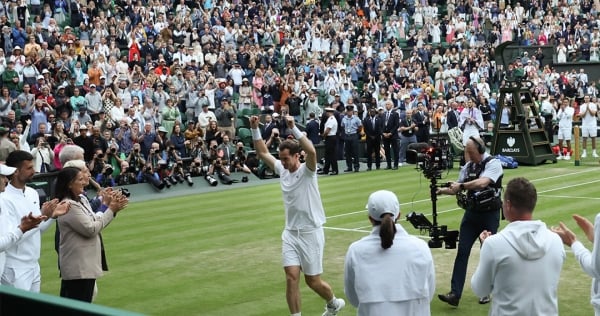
[29, 222]
[54, 209]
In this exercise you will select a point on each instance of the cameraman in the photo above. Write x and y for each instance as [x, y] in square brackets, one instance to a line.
[42, 155]
[213, 151]
[113, 158]
[238, 163]
[218, 167]
[135, 160]
[274, 141]
[128, 174]
[198, 154]
[105, 177]
[97, 163]
[481, 175]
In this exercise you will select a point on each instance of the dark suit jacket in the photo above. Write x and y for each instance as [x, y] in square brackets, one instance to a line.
[312, 131]
[422, 121]
[452, 119]
[267, 129]
[392, 125]
[373, 131]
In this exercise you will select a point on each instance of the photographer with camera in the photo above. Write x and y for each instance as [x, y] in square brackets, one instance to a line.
[238, 161]
[199, 156]
[42, 156]
[97, 162]
[217, 166]
[128, 174]
[135, 159]
[105, 176]
[274, 140]
[481, 178]
[110, 169]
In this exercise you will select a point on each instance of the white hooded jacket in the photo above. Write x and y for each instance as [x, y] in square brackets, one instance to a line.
[520, 266]
[590, 264]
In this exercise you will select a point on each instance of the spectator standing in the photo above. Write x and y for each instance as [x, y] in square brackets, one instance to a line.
[589, 124]
[520, 266]
[565, 125]
[471, 121]
[303, 236]
[6, 145]
[226, 118]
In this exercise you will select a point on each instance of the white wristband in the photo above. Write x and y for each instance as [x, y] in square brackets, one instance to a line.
[256, 134]
[297, 133]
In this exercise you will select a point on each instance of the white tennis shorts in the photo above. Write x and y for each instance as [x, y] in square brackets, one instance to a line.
[564, 133]
[304, 248]
[589, 131]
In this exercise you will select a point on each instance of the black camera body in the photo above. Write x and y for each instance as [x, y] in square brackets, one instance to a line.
[108, 171]
[431, 158]
[125, 192]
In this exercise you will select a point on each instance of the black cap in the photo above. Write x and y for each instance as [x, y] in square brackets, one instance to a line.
[349, 107]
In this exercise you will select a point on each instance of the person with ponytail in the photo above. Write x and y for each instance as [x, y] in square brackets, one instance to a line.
[389, 272]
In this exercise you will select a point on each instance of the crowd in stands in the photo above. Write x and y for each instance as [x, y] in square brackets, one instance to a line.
[149, 87]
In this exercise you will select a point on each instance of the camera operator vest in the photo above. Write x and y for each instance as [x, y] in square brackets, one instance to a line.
[487, 199]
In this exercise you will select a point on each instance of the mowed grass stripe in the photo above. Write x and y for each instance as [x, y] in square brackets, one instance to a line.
[218, 253]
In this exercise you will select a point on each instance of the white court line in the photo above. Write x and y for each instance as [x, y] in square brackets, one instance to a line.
[449, 196]
[457, 208]
[348, 229]
[570, 197]
[560, 175]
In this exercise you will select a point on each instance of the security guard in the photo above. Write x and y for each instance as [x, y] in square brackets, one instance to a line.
[352, 126]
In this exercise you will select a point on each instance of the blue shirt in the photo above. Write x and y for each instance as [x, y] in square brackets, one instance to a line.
[351, 124]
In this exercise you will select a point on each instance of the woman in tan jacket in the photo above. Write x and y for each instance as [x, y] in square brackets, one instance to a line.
[79, 248]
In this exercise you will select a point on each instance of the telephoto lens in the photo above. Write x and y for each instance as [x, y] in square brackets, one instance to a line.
[211, 181]
[188, 179]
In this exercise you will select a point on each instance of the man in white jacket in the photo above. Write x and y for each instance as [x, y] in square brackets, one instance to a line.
[389, 272]
[589, 261]
[520, 266]
[10, 235]
[22, 269]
